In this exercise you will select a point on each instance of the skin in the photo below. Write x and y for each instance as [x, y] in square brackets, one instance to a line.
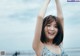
[51, 30]
[37, 44]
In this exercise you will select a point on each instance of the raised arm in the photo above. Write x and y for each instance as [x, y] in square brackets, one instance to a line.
[59, 11]
[60, 14]
[36, 41]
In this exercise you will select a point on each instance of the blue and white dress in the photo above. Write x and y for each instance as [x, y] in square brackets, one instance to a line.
[47, 52]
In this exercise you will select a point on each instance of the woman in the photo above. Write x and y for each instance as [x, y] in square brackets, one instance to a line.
[49, 32]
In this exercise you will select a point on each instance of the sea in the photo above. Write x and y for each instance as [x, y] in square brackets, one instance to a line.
[70, 52]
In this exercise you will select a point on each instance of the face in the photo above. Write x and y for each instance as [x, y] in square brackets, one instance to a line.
[51, 30]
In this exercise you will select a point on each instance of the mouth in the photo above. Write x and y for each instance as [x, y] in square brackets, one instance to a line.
[51, 33]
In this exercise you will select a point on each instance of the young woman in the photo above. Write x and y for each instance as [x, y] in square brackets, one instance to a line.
[49, 32]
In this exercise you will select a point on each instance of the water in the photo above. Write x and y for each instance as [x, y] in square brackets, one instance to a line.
[70, 52]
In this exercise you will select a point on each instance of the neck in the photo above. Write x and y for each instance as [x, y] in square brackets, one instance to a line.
[50, 42]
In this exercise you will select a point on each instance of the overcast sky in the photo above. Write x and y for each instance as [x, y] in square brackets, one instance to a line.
[18, 20]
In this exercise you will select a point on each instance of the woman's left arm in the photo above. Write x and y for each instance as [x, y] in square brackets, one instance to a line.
[59, 11]
[60, 14]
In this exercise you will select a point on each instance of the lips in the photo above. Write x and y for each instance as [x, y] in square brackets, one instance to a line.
[51, 33]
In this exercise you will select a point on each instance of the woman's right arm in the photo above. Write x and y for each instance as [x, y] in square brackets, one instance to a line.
[36, 42]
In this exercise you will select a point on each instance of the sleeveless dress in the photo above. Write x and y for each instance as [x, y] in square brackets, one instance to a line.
[47, 52]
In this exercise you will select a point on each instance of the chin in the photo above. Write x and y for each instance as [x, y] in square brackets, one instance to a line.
[51, 37]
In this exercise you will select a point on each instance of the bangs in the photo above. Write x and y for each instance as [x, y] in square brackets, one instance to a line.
[49, 20]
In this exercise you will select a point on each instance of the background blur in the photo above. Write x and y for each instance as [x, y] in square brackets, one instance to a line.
[18, 20]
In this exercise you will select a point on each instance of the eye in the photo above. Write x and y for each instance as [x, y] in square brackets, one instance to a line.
[48, 25]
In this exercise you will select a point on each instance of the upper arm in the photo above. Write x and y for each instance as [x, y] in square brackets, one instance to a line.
[61, 20]
[59, 12]
[37, 35]
[36, 42]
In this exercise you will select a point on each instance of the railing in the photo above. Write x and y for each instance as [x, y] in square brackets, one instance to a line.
[69, 51]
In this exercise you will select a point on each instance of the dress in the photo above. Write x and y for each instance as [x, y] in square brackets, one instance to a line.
[47, 52]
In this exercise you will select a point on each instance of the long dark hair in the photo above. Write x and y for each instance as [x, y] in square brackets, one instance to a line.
[59, 37]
